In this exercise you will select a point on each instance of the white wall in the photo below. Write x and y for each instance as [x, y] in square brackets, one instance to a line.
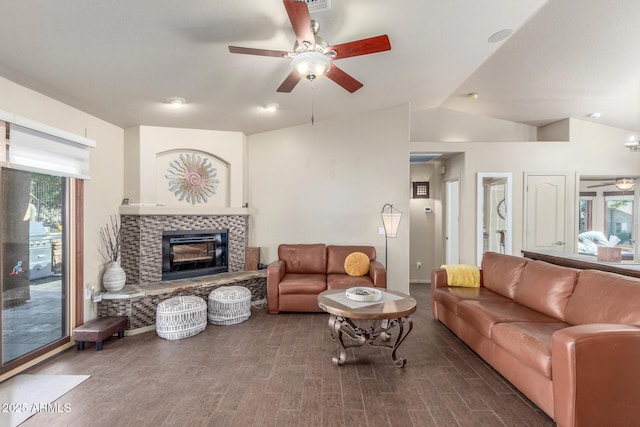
[592, 150]
[144, 146]
[453, 126]
[103, 192]
[327, 183]
[423, 225]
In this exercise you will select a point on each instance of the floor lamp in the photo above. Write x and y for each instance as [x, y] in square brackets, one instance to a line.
[391, 221]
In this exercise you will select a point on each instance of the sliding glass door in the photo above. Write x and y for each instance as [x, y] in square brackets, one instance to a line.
[33, 237]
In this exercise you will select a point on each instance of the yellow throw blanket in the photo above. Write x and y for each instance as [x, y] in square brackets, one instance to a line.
[462, 275]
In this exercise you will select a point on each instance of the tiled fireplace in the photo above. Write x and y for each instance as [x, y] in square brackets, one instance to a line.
[142, 241]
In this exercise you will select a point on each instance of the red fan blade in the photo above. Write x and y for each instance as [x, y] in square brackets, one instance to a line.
[290, 82]
[361, 47]
[343, 79]
[301, 21]
[259, 52]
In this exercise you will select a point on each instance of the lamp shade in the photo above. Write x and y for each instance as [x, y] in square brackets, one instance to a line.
[390, 220]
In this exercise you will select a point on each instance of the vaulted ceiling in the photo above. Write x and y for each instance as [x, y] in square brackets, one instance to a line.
[120, 60]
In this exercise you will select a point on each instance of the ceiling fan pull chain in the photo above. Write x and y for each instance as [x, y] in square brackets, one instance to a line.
[313, 120]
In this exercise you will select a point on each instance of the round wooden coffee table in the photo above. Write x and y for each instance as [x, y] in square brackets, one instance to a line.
[392, 311]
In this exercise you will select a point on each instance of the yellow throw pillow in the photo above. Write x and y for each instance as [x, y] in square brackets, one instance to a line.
[356, 264]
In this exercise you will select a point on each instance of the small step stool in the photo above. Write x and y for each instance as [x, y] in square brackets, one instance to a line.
[97, 330]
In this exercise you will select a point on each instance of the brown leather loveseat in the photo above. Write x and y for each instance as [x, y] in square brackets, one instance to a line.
[568, 339]
[305, 270]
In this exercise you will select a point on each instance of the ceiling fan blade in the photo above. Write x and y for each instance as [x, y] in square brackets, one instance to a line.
[301, 21]
[290, 82]
[604, 184]
[343, 79]
[259, 52]
[361, 47]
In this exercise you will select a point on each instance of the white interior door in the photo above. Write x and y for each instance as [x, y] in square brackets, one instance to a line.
[546, 213]
[452, 222]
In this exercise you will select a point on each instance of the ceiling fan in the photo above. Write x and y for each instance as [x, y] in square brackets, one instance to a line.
[312, 56]
[621, 183]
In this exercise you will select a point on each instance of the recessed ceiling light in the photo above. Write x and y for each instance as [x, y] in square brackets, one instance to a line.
[271, 107]
[473, 95]
[176, 101]
[594, 116]
[500, 35]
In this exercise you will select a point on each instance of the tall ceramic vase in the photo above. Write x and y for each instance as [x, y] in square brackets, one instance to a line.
[113, 278]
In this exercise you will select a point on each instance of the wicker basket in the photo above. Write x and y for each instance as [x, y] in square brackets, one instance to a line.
[229, 305]
[181, 317]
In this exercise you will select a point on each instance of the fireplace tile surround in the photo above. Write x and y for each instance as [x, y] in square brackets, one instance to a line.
[142, 241]
[141, 244]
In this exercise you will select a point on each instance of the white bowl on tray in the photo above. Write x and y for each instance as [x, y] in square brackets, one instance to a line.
[363, 294]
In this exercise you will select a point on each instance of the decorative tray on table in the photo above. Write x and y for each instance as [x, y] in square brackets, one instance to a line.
[363, 294]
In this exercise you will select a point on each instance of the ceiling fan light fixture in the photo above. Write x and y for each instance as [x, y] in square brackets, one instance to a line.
[271, 107]
[633, 144]
[312, 55]
[311, 65]
[625, 184]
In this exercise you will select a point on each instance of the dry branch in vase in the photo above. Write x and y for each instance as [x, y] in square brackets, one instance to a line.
[110, 236]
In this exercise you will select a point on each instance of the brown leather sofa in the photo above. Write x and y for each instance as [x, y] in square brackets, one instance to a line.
[303, 271]
[568, 339]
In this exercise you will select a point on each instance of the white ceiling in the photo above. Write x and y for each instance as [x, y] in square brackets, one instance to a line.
[119, 60]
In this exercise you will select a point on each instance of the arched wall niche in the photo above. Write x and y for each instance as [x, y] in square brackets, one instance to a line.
[192, 177]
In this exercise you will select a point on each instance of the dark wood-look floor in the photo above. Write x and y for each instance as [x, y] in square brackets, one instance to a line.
[276, 370]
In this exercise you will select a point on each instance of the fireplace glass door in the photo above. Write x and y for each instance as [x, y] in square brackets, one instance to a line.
[193, 253]
[187, 254]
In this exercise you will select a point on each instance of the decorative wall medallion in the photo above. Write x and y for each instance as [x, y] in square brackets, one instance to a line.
[192, 178]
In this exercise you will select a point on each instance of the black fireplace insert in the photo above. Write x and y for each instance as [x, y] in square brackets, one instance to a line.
[192, 253]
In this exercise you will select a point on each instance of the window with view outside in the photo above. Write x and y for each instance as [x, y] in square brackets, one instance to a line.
[619, 218]
[34, 283]
[585, 215]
